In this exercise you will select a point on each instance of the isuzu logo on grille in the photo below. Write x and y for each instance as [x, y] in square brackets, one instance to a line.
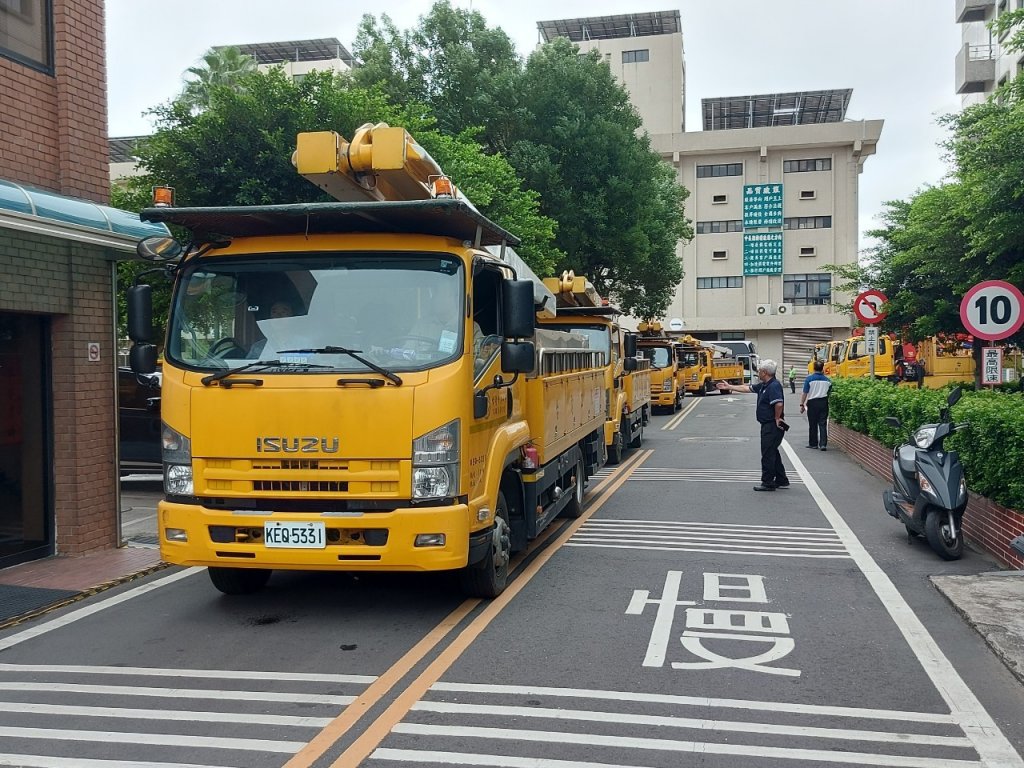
[296, 445]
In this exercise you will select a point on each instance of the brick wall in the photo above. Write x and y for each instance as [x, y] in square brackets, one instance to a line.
[987, 525]
[54, 127]
[72, 282]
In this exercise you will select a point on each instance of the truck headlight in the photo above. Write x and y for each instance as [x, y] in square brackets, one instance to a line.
[435, 462]
[178, 479]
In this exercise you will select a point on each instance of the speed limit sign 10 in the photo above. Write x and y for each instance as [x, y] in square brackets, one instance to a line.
[993, 310]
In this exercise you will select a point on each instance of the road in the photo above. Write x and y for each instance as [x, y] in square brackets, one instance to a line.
[683, 621]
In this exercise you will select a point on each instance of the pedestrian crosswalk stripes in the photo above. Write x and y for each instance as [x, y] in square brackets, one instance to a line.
[529, 726]
[236, 718]
[718, 538]
[645, 473]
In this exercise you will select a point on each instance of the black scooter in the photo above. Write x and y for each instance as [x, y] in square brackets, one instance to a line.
[929, 494]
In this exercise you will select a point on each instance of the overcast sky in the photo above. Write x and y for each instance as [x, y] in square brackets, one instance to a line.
[897, 55]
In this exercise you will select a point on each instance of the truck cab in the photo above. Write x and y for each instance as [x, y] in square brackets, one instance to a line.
[660, 350]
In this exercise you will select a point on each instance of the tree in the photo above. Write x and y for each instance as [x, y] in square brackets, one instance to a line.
[618, 206]
[464, 71]
[238, 151]
[221, 68]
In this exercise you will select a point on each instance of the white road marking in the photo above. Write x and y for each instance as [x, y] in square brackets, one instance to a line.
[245, 718]
[155, 739]
[697, 535]
[490, 761]
[92, 608]
[140, 520]
[674, 745]
[992, 746]
[705, 550]
[742, 526]
[45, 761]
[702, 724]
[178, 693]
[707, 541]
[204, 674]
[821, 710]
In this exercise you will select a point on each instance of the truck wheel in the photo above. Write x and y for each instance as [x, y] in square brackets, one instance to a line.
[936, 529]
[678, 403]
[636, 441]
[239, 581]
[574, 508]
[489, 576]
[616, 449]
[709, 386]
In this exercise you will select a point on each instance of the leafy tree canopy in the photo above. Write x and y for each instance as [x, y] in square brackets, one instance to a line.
[221, 67]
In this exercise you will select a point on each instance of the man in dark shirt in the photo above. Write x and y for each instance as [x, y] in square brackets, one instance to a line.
[769, 415]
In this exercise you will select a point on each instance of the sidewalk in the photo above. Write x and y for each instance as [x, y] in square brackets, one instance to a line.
[31, 589]
[992, 603]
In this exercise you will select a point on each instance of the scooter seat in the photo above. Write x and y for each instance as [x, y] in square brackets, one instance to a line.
[907, 454]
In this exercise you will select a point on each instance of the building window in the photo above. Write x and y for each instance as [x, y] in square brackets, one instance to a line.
[808, 194]
[710, 227]
[720, 282]
[808, 250]
[25, 32]
[635, 57]
[732, 336]
[719, 199]
[812, 288]
[807, 222]
[721, 169]
[802, 166]
[719, 254]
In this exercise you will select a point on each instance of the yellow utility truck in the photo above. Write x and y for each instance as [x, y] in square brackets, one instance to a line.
[658, 348]
[627, 387]
[359, 385]
[702, 363]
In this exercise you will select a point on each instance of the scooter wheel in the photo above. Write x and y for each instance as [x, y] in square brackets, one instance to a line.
[936, 528]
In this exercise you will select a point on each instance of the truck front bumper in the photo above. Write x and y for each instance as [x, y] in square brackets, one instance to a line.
[367, 541]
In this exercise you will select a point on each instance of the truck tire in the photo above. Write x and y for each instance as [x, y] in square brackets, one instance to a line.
[636, 441]
[709, 386]
[488, 577]
[616, 449]
[574, 508]
[239, 581]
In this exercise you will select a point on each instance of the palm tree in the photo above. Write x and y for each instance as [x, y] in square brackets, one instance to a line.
[222, 66]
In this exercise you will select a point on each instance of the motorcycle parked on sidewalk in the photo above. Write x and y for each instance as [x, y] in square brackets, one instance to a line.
[929, 493]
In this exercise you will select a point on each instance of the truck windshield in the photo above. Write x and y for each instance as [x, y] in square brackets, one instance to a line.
[660, 357]
[598, 337]
[400, 311]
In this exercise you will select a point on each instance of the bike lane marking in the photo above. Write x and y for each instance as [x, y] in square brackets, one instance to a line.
[372, 737]
[990, 743]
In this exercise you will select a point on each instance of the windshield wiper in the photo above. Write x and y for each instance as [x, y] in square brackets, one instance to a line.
[353, 353]
[259, 364]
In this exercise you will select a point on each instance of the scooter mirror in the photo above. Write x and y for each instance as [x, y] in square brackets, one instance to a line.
[892, 421]
[954, 396]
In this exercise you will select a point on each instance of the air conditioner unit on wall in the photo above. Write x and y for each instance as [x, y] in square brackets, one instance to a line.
[784, 309]
[765, 309]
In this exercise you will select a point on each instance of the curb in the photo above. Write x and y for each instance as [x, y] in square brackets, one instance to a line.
[37, 612]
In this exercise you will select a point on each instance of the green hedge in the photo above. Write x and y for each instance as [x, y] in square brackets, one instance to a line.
[992, 450]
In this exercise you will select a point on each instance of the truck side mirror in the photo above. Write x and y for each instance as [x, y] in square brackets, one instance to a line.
[517, 356]
[629, 344]
[629, 364]
[517, 310]
[140, 313]
[142, 358]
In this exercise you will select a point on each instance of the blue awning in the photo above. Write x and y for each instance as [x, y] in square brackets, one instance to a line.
[49, 206]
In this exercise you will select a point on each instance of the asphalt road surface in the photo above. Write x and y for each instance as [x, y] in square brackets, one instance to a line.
[683, 621]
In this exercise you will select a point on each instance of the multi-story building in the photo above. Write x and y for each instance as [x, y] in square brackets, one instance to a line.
[644, 52]
[58, 245]
[983, 63]
[746, 276]
[300, 57]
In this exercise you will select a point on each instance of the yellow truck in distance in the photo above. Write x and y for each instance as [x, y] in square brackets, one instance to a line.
[666, 387]
[359, 385]
[699, 367]
[850, 358]
[580, 309]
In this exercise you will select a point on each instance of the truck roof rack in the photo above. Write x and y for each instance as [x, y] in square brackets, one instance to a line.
[445, 217]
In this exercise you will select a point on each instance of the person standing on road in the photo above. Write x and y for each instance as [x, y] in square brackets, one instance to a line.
[770, 400]
[792, 379]
[817, 387]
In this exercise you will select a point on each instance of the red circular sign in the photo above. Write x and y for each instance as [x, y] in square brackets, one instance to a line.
[993, 310]
[868, 306]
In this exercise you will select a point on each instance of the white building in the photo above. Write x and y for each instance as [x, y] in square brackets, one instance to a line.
[982, 63]
[799, 146]
[300, 57]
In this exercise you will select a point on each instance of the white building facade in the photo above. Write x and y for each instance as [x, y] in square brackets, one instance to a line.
[983, 64]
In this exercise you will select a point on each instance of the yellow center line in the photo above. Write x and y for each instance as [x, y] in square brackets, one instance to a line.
[676, 420]
[383, 684]
[371, 738]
